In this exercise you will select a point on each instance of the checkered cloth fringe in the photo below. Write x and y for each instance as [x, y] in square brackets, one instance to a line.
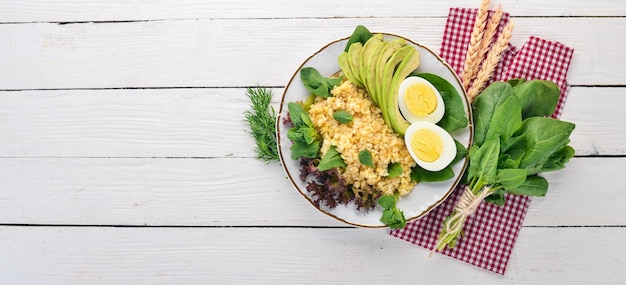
[490, 233]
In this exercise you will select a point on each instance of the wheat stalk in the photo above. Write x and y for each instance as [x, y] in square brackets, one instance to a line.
[492, 60]
[490, 32]
[472, 61]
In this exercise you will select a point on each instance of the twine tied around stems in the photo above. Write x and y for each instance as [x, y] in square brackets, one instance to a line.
[465, 207]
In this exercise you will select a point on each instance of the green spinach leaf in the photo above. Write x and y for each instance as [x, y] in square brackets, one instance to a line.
[342, 116]
[422, 175]
[510, 178]
[543, 137]
[387, 201]
[558, 159]
[394, 169]
[538, 98]
[497, 198]
[534, 185]
[392, 216]
[306, 140]
[302, 149]
[516, 81]
[484, 161]
[360, 35]
[484, 107]
[316, 83]
[295, 113]
[332, 159]
[505, 120]
[365, 158]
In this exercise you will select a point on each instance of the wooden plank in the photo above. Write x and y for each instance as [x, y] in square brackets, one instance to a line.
[202, 52]
[598, 118]
[108, 10]
[209, 122]
[60, 255]
[129, 123]
[588, 191]
[243, 192]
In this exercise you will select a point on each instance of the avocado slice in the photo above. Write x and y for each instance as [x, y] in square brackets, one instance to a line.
[385, 54]
[354, 59]
[380, 67]
[368, 49]
[389, 71]
[344, 64]
[371, 78]
[409, 63]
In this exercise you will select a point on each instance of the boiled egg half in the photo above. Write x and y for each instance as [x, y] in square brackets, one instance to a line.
[431, 147]
[419, 100]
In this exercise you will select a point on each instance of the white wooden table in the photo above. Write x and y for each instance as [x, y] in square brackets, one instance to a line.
[124, 157]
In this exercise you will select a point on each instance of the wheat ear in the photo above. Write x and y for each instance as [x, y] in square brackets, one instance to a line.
[490, 32]
[493, 58]
[472, 61]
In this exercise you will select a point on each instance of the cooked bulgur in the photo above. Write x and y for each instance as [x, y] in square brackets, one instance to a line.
[367, 131]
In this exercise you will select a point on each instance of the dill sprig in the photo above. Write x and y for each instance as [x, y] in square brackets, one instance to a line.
[261, 119]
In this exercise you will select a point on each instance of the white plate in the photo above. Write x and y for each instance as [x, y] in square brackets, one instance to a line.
[426, 195]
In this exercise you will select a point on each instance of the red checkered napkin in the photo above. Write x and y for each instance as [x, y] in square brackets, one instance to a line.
[490, 233]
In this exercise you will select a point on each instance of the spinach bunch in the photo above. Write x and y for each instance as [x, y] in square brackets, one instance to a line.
[514, 141]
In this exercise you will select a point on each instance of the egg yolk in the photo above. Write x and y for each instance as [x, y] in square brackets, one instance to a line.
[427, 145]
[420, 99]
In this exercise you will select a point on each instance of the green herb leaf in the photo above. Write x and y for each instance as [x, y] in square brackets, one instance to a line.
[387, 201]
[543, 137]
[538, 98]
[558, 159]
[454, 117]
[461, 152]
[484, 107]
[310, 135]
[514, 144]
[516, 81]
[533, 186]
[295, 113]
[419, 174]
[392, 216]
[510, 178]
[506, 119]
[306, 120]
[360, 35]
[496, 198]
[394, 169]
[316, 83]
[302, 149]
[484, 161]
[342, 116]
[365, 157]
[261, 119]
[332, 159]
[506, 162]
[306, 140]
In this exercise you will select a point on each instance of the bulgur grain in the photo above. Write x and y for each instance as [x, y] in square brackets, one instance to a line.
[367, 131]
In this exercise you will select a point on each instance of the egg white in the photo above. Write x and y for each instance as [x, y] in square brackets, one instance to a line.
[433, 117]
[449, 147]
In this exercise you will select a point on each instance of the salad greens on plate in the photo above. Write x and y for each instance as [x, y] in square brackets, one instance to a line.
[508, 137]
